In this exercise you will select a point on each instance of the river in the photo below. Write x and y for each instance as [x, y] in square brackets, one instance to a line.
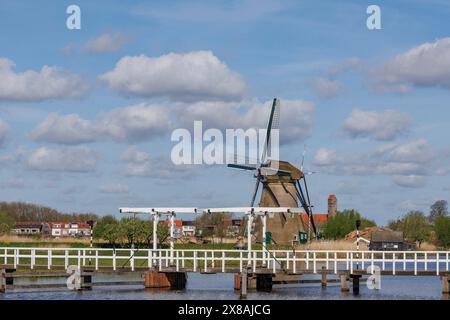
[220, 286]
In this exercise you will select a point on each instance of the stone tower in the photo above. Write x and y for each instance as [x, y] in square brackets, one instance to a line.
[332, 206]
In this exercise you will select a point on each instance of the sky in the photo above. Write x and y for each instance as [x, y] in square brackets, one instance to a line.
[86, 115]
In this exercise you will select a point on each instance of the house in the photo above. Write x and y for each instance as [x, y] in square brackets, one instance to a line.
[387, 240]
[70, 229]
[27, 228]
[188, 228]
[233, 227]
[178, 227]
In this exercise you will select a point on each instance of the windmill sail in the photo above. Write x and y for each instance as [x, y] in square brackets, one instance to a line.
[274, 123]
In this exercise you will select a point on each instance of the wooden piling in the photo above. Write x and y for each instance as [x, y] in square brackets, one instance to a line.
[355, 279]
[9, 279]
[344, 282]
[86, 278]
[445, 282]
[323, 281]
[264, 282]
[172, 280]
[2, 280]
[244, 284]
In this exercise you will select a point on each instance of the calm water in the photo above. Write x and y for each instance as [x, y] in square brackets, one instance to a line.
[220, 286]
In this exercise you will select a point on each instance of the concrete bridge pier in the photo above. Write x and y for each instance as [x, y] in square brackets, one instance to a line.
[172, 280]
[445, 282]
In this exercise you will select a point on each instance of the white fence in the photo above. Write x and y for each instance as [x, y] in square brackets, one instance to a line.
[227, 260]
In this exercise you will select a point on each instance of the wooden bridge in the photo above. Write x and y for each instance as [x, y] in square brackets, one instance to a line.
[168, 267]
[222, 260]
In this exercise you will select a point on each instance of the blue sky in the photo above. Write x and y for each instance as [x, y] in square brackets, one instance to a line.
[86, 115]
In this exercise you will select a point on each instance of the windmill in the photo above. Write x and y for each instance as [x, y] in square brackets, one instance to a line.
[283, 185]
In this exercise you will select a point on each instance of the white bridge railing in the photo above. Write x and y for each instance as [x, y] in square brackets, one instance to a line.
[209, 260]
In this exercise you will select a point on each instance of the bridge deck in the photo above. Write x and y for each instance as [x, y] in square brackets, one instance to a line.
[227, 261]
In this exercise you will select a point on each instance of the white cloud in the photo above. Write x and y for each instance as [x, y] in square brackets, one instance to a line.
[351, 64]
[410, 181]
[144, 121]
[13, 157]
[136, 122]
[30, 85]
[131, 123]
[132, 154]
[197, 75]
[3, 131]
[67, 129]
[106, 42]
[71, 159]
[427, 65]
[325, 157]
[382, 125]
[415, 158]
[114, 188]
[296, 118]
[326, 88]
[141, 164]
[418, 151]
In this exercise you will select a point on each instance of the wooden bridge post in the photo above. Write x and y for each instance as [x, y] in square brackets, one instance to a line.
[355, 279]
[2, 280]
[86, 278]
[344, 282]
[445, 282]
[324, 278]
[172, 280]
[264, 282]
[244, 284]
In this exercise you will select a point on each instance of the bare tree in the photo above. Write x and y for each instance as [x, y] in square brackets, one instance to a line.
[438, 209]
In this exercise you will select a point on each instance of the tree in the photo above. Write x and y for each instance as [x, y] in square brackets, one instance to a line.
[396, 225]
[162, 232]
[415, 226]
[215, 220]
[127, 229]
[99, 228]
[442, 230]
[438, 209]
[343, 223]
[21, 211]
[107, 229]
[112, 234]
[6, 223]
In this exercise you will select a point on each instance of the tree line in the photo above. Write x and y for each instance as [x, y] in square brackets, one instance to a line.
[343, 223]
[13, 212]
[418, 227]
[415, 225]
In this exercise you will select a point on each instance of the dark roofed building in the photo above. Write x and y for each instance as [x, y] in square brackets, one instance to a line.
[387, 240]
[27, 228]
